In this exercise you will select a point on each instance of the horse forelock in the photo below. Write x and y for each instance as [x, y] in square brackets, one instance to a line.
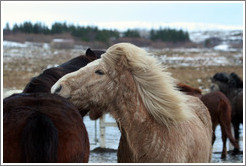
[155, 85]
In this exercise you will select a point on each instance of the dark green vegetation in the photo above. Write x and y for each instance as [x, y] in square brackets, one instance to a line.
[169, 35]
[93, 33]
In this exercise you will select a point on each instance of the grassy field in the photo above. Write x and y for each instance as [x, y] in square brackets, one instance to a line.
[21, 64]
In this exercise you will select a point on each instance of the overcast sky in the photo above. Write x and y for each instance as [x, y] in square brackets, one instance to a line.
[124, 15]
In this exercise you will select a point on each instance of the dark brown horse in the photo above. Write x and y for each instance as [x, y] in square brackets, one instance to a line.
[232, 86]
[37, 109]
[44, 81]
[220, 111]
[42, 127]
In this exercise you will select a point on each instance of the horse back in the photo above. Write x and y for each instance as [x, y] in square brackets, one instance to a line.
[189, 90]
[218, 104]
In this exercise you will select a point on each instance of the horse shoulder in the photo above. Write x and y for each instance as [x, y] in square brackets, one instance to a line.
[201, 126]
[200, 110]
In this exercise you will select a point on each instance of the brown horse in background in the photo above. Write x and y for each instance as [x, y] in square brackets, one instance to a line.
[159, 123]
[43, 128]
[189, 90]
[220, 111]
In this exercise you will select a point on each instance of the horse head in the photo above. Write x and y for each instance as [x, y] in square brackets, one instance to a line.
[90, 87]
[96, 84]
[221, 80]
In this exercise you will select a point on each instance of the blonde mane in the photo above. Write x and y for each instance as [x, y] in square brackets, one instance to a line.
[155, 85]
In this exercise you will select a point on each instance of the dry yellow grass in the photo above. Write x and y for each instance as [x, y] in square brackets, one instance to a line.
[199, 77]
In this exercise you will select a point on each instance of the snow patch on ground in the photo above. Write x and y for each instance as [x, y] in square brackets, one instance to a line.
[14, 44]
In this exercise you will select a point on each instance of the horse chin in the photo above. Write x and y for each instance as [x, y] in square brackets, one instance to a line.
[94, 114]
[83, 112]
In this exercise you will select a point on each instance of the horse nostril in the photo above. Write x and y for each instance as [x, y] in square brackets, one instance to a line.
[58, 89]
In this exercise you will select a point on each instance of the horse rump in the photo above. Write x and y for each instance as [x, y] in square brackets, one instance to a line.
[41, 128]
[39, 140]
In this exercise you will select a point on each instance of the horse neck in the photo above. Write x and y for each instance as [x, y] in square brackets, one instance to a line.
[127, 101]
[48, 78]
[133, 122]
[227, 90]
[224, 88]
[232, 92]
[44, 81]
[129, 110]
[78, 62]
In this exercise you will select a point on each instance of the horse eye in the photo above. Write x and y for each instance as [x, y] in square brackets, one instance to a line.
[99, 72]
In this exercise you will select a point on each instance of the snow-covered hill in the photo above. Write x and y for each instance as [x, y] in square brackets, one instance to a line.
[221, 40]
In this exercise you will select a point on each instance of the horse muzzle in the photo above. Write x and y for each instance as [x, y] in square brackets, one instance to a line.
[61, 91]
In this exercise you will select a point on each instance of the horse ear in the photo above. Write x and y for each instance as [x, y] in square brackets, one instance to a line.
[94, 53]
[89, 52]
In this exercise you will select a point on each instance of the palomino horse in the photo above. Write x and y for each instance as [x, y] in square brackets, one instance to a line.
[220, 111]
[38, 108]
[43, 127]
[159, 123]
[232, 86]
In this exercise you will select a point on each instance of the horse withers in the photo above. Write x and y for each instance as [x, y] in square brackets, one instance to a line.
[158, 122]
